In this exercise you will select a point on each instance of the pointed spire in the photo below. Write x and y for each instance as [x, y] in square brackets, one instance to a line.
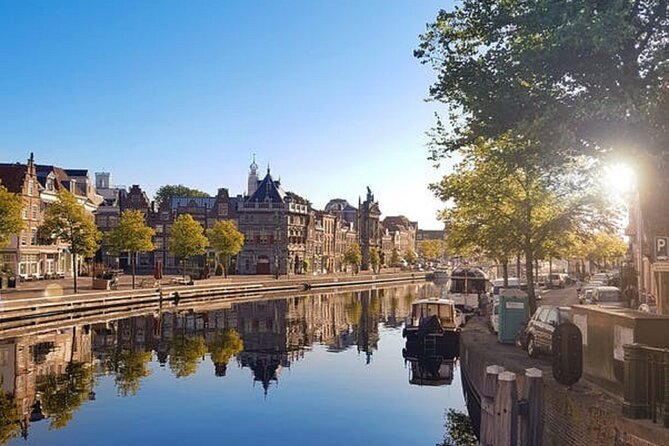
[268, 170]
[253, 167]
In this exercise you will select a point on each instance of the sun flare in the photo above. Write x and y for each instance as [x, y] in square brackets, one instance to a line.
[619, 179]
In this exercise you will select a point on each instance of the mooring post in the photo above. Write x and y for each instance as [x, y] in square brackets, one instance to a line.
[635, 384]
[488, 394]
[531, 424]
[506, 410]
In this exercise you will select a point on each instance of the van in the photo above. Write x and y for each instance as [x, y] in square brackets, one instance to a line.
[608, 296]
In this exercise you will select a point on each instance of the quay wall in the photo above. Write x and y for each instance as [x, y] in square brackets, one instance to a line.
[583, 415]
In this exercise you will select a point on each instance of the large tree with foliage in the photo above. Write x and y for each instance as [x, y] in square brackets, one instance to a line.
[225, 240]
[374, 259]
[353, 256]
[66, 221]
[432, 249]
[129, 367]
[10, 215]
[165, 193]
[62, 395]
[185, 354]
[187, 238]
[133, 236]
[410, 256]
[223, 345]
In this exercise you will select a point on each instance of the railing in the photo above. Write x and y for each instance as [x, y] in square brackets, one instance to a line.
[646, 383]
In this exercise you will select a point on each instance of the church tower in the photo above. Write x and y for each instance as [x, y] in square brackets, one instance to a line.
[253, 177]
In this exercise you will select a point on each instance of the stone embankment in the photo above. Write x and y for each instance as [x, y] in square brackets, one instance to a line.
[45, 312]
[582, 415]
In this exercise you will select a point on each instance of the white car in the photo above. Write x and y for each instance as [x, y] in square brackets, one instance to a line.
[494, 317]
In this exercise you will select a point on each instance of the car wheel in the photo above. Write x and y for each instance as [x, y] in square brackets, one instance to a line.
[532, 349]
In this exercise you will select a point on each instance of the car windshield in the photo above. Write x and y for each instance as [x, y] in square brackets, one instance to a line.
[608, 296]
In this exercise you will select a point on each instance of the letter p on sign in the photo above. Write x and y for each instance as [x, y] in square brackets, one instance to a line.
[661, 248]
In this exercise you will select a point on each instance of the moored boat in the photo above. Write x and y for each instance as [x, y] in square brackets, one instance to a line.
[433, 327]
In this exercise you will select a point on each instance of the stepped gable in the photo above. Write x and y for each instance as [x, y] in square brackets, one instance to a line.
[12, 176]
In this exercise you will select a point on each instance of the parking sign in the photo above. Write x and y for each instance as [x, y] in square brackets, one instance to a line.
[661, 248]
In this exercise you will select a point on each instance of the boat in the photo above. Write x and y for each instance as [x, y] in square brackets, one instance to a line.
[466, 287]
[432, 328]
[428, 370]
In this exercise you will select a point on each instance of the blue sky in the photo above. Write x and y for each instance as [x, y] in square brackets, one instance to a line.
[159, 92]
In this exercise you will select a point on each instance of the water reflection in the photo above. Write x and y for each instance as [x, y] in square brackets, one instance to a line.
[49, 376]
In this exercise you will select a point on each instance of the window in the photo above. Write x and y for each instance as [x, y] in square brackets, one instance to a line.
[222, 209]
[159, 229]
[34, 212]
[24, 213]
[49, 184]
[24, 238]
[552, 317]
[30, 187]
[33, 236]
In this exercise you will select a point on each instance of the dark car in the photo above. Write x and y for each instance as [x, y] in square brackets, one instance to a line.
[540, 327]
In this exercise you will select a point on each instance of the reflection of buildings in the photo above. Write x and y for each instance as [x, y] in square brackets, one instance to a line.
[275, 334]
[27, 362]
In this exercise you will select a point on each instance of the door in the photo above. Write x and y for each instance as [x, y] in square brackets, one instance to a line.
[551, 323]
[262, 266]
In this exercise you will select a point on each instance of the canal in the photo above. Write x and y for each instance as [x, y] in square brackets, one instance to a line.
[323, 369]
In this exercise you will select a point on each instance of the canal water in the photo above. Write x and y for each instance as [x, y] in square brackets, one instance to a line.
[323, 369]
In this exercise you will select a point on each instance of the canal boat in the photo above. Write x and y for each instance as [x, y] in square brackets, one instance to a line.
[466, 286]
[429, 370]
[433, 327]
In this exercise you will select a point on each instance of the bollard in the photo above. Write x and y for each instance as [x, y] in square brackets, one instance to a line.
[506, 410]
[635, 390]
[531, 424]
[488, 394]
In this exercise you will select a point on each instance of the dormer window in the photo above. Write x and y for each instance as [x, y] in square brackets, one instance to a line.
[49, 184]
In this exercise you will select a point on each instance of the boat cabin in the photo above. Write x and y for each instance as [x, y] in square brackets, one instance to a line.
[444, 309]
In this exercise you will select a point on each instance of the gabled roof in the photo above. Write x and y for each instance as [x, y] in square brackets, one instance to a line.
[268, 190]
[12, 176]
[61, 176]
[77, 172]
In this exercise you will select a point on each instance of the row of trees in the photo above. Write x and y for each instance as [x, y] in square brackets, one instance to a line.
[539, 96]
[66, 221]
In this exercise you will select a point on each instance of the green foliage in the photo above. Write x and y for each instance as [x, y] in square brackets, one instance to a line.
[459, 430]
[224, 345]
[66, 220]
[62, 395]
[165, 193]
[395, 257]
[10, 215]
[374, 259]
[226, 240]
[432, 249]
[187, 237]
[410, 256]
[10, 417]
[185, 354]
[578, 77]
[132, 234]
[129, 368]
[353, 256]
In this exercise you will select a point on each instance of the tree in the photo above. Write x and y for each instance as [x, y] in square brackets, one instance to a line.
[580, 77]
[222, 346]
[503, 203]
[352, 256]
[185, 354]
[132, 235]
[410, 256]
[10, 418]
[432, 249]
[67, 221]
[395, 257]
[459, 430]
[129, 368]
[374, 260]
[187, 238]
[10, 215]
[226, 240]
[62, 395]
[165, 193]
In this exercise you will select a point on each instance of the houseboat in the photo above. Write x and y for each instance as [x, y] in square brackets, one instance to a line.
[466, 287]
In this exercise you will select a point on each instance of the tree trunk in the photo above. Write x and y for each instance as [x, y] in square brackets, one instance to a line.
[225, 266]
[529, 266]
[133, 260]
[550, 271]
[505, 272]
[518, 275]
[74, 271]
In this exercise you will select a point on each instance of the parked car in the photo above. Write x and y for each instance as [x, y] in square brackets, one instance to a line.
[608, 296]
[557, 280]
[539, 330]
[494, 317]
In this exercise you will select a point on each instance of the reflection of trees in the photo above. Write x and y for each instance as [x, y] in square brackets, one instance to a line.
[129, 368]
[10, 418]
[185, 354]
[62, 395]
[459, 430]
[222, 346]
[354, 311]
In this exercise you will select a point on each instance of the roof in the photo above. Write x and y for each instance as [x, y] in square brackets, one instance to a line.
[200, 202]
[339, 204]
[12, 176]
[77, 172]
[268, 190]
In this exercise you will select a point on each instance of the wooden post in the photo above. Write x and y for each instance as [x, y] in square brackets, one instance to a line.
[506, 410]
[488, 394]
[532, 423]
